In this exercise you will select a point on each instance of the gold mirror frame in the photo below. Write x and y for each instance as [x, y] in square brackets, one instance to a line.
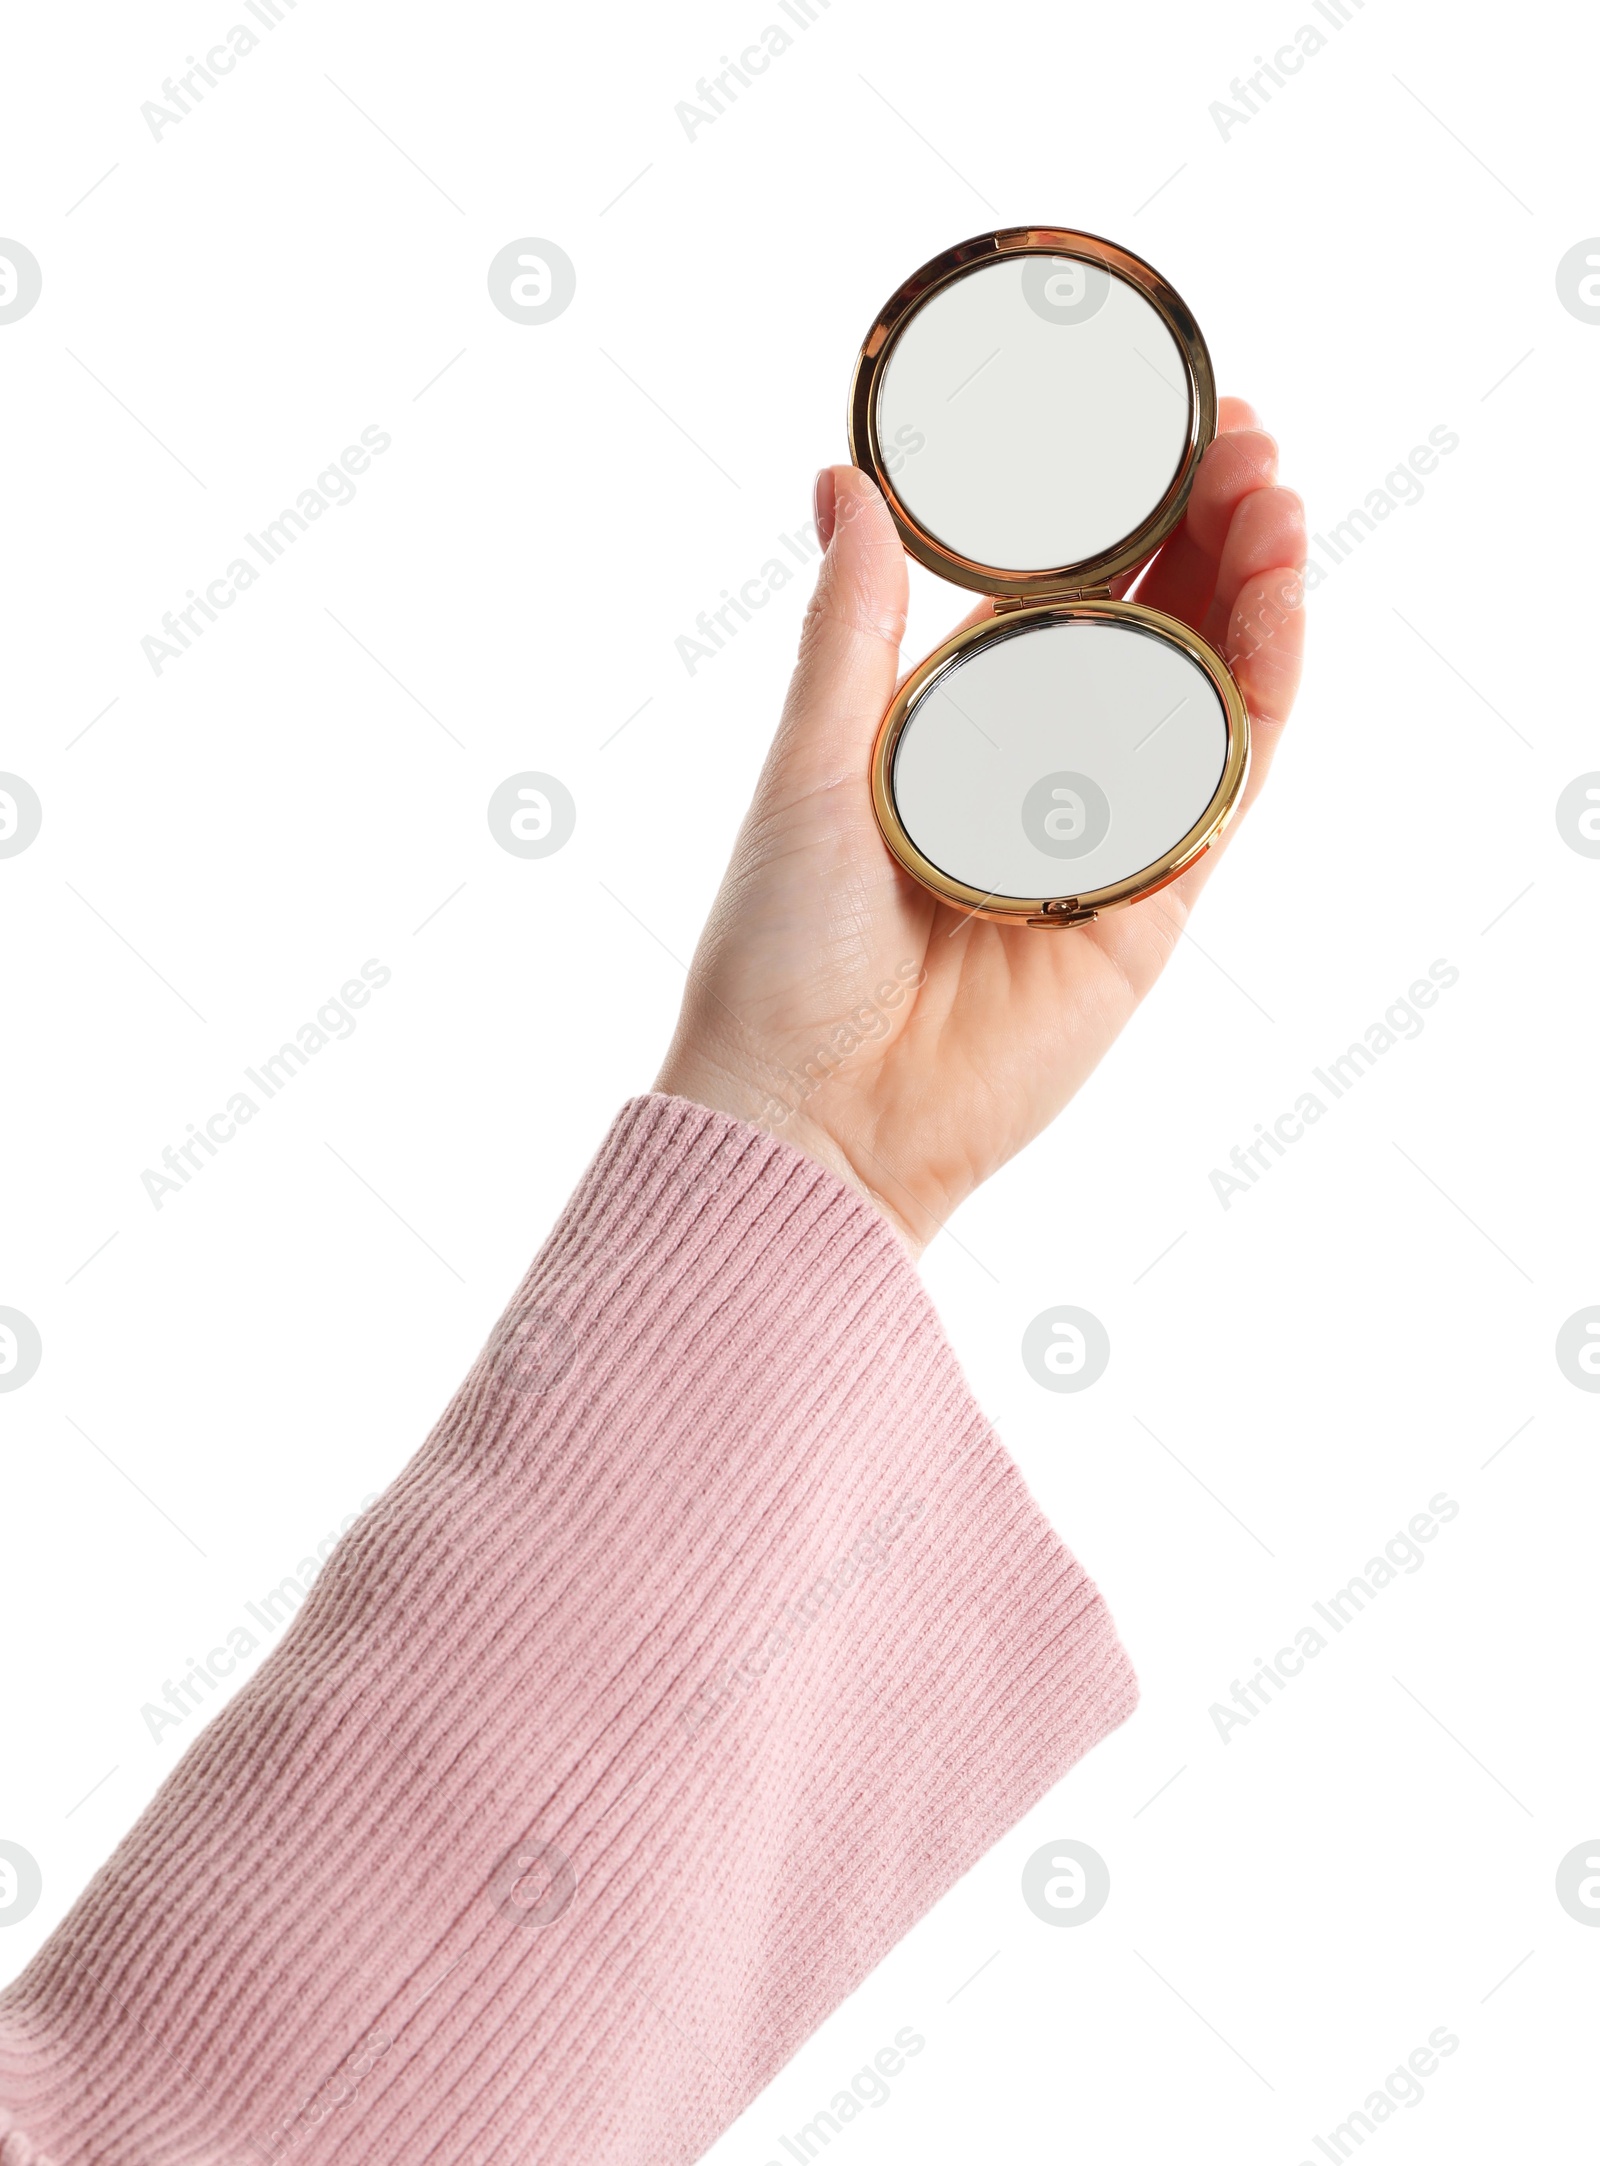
[1052, 910]
[1065, 593]
[956, 263]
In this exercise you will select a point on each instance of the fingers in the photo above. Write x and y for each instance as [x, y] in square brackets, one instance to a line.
[1267, 529]
[1183, 578]
[1264, 645]
[1233, 465]
[1257, 617]
[850, 643]
[861, 584]
[1243, 548]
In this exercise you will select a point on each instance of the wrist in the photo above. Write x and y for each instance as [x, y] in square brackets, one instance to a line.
[706, 1081]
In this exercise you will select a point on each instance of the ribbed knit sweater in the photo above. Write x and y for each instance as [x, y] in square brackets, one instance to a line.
[708, 1639]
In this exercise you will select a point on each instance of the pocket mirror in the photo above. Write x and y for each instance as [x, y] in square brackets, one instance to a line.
[1033, 405]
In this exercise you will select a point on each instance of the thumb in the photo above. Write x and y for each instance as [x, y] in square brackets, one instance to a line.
[850, 643]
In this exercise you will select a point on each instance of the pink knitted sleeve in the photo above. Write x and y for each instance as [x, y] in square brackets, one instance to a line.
[708, 1639]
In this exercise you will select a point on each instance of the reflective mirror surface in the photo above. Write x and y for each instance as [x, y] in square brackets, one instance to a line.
[1060, 758]
[1033, 412]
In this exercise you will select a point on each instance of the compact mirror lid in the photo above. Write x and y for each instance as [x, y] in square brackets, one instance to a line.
[1033, 404]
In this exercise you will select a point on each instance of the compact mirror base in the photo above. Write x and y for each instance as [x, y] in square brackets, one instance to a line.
[1067, 905]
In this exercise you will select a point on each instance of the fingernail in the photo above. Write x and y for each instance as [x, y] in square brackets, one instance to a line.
[822, 501]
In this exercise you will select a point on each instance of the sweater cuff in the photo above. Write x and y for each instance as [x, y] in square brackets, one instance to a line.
[711, 1636]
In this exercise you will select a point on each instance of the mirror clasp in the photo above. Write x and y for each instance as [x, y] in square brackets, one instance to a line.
[1064, 910]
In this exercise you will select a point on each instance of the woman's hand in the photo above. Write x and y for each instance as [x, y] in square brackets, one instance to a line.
[834, 1001]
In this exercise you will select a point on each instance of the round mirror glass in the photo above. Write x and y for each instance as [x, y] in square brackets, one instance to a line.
[1059, 758]
[1033, 413]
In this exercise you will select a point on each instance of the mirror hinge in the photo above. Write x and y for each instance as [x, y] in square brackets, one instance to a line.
[1004, 603]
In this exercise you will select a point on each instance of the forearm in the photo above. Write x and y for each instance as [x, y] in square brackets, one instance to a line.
[714, 1597]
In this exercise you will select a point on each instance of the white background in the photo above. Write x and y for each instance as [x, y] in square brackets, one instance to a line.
[1369, 256]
